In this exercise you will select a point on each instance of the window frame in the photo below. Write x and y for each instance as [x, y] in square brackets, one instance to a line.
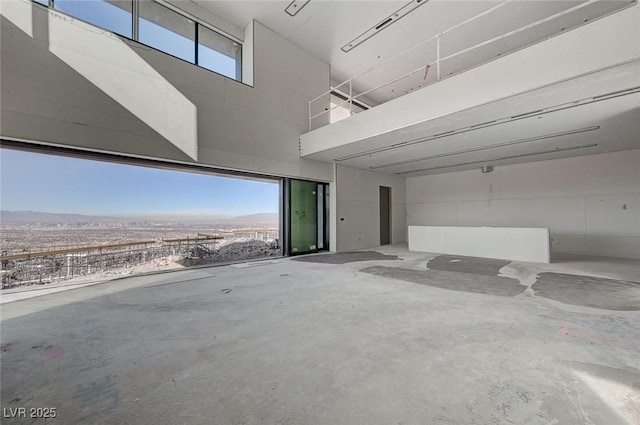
[238, 58]
[135, 32]
[51, 5]
[187, 19]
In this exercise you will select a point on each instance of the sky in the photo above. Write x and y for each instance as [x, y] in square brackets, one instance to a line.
[38, 182]
[118, 20]
[56, 184]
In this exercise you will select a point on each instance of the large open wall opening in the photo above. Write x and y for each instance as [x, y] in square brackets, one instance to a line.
[70, 217]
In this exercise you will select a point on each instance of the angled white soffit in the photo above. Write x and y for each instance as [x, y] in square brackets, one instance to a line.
[593, 52]
[112, 66]
[19, 13]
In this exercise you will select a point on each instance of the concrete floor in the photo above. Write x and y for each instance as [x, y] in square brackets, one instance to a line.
[296, 342]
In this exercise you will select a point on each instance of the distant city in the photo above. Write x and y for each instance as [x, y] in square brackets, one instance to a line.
[32, 231]
[41, 247]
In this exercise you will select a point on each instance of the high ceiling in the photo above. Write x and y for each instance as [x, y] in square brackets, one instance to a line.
[323, 27]
[603, 115]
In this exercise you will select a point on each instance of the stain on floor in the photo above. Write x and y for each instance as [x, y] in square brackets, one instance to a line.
[455, 281]
[345, 257]
[588, 291]
[459, 263]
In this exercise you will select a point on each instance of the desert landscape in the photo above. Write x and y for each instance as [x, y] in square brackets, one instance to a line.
[44, 248]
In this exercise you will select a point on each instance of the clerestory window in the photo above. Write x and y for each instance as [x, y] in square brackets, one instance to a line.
[219, 53]
[112, 15]
[164, 29]
[159, 25]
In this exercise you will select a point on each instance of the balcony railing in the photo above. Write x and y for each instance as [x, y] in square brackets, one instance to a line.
[320, 107]
[57, 265]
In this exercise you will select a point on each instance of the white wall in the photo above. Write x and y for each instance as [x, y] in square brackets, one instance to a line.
[65, 82]
[358, 208]
[590, 203]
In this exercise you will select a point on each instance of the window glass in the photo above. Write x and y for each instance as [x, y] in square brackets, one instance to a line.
[112, 15]
[164, 29]
[218, 53]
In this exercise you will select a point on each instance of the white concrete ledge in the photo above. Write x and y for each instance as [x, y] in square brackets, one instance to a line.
[505, 243]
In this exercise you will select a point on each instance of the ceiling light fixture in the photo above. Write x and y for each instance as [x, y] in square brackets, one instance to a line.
[500, 159]
[385, 23]
[296, 6]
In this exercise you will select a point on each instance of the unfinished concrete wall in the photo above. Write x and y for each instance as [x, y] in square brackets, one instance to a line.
[590, 203]
[357, 208]
[69, 83]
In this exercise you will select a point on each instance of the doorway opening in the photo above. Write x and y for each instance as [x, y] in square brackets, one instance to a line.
[306, 216]
[385, 215]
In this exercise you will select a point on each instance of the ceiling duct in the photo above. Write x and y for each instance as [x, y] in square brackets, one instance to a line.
[385, 23]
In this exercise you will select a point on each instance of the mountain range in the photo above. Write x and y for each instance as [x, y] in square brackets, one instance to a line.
[35, 217]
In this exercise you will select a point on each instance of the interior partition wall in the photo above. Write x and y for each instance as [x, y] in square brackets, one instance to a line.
[305, 216]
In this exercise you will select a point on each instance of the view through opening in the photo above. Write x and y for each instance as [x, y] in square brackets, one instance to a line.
[72, 219]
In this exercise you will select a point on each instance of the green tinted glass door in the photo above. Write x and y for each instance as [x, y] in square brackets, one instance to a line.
[304, 216]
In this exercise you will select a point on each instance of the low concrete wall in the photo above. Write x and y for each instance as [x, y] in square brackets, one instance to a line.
[507, 243]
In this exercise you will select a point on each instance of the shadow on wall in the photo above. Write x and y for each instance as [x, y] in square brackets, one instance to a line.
[108, 63]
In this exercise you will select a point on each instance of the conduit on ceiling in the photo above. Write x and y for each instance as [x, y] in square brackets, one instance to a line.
[501, 158]
[555, 108]
[482, 148]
